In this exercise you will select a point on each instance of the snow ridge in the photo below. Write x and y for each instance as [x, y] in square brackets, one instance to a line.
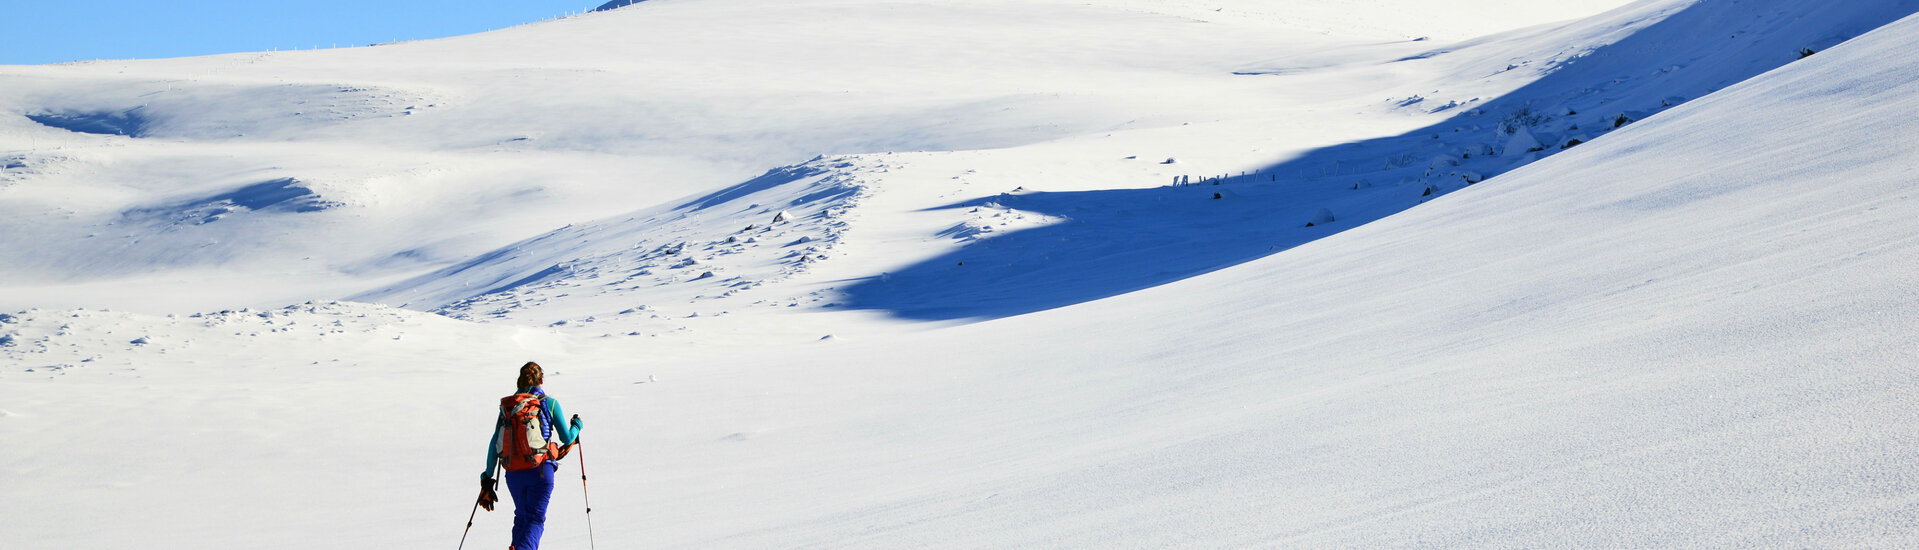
[616, 4]
[713, 247]
[1693, 331]
[212, 112]
[1581, 81]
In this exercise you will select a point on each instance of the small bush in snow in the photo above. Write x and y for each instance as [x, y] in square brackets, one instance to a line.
[1524, 117]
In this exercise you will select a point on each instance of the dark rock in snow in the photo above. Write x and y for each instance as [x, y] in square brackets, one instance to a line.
[616, 4]
[1320, 217]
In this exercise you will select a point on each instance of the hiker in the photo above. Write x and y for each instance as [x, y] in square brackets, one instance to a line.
[523, 441]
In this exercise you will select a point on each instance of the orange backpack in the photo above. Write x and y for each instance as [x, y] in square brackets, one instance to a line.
[524, 440]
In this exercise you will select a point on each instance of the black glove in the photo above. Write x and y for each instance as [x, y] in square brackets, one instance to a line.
[576, 423]
[487, 496]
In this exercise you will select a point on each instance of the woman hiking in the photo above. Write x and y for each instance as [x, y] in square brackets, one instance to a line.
[524, 442]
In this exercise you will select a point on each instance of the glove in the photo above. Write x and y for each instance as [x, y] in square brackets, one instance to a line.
[576, 423]
[487, 496]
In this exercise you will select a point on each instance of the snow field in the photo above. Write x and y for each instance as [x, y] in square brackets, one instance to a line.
[1691, 331]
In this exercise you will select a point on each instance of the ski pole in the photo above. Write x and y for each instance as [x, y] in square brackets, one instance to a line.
[469, 522]
[583, 495]
[476, 509]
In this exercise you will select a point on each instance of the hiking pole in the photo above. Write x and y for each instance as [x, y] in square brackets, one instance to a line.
[469, 522]
[583, 495]
[476, 508]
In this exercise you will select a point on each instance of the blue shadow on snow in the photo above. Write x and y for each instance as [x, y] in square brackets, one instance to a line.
[1117, 241]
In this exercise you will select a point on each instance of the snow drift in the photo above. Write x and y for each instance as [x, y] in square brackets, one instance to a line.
[1692, 330]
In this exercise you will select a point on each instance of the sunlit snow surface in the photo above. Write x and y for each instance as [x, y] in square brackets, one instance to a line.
[982, 314]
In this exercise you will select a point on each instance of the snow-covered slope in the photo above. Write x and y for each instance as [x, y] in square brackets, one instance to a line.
[124, 168]
[539, 126]
[1694, 330]
[1078, 220]
[763, 231]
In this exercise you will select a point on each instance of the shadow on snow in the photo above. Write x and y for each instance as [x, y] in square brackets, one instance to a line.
[1116, 241]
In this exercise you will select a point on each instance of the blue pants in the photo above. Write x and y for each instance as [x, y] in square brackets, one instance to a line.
[531, 489]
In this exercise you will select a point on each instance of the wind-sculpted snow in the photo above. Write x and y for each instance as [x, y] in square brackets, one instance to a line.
[48, 344]
[128, 122]
[712, 247]
[18, 167]
[1088, 245]
[1598, 76]
[1595, 76]
[1570, 84]
[1694, 330]
[539, 126]
[216, 225]
[167, 110]
[1688, 333]
[283, 194]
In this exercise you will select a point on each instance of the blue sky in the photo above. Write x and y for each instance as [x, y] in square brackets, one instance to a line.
[50, 31]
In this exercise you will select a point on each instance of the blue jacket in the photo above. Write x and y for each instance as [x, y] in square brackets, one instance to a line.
[555, 422]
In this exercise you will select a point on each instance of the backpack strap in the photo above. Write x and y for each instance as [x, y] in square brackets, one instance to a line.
[547, 430]
[501, 422]
[546, 421]
[516, 410]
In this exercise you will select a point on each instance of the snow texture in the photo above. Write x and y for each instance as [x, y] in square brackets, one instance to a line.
[871, 274]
